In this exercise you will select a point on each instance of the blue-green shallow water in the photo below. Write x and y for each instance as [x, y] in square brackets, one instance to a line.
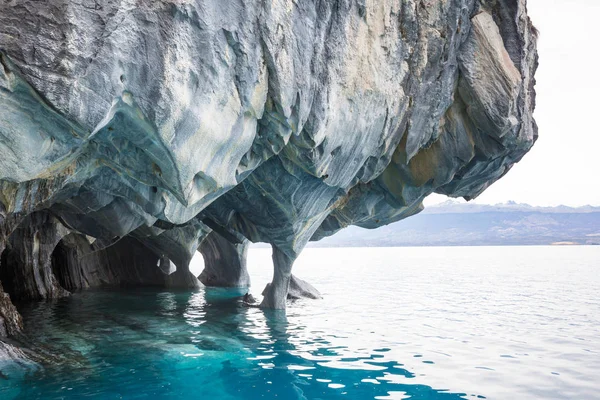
[420, 323]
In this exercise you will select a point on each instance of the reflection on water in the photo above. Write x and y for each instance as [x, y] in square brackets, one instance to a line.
[204, 344]
[420, 323]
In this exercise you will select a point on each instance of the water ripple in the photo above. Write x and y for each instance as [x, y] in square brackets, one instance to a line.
[398, 324]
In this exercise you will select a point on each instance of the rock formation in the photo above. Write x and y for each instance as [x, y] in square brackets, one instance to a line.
[224, 261]
[132, 134]
[300, 289]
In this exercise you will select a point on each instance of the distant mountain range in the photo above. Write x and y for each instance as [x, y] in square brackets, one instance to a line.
[467, 224]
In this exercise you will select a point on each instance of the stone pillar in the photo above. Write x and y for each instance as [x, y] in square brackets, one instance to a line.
[275, 293]
[224, 262]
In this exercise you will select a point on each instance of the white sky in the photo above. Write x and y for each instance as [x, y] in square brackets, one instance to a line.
[564, 165]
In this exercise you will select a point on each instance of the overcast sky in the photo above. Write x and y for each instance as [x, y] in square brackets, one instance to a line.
[564, 165]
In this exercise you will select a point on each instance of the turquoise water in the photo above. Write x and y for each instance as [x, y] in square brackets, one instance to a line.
[418, 323]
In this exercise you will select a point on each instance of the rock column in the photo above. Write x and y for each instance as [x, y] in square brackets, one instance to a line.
[275, 293]
[224, 262]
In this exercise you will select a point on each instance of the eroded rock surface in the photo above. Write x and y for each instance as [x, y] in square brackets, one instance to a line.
[130, 134]
[10, 320]
[224, 262]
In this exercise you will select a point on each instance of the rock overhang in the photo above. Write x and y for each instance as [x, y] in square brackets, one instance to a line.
[276, 123]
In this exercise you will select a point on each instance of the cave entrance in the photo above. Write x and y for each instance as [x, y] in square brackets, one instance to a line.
[60, 265]
[7, 273]
[77, 265]
[197, 264]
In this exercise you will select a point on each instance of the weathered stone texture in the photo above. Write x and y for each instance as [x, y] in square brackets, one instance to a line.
[155, 123]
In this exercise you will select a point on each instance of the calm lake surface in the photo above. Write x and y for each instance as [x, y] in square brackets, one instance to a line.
[395, 323]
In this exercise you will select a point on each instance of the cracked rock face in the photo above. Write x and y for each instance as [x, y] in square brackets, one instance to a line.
[155, 124]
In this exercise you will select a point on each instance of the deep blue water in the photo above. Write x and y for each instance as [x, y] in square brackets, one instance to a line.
[419, 323]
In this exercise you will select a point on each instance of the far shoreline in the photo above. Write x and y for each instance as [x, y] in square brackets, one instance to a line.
[554, 244]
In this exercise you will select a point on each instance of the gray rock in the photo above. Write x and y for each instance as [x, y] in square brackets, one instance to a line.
[248, 299]
[157, 124]
[300, 289]
[275, 293]
[224, 262]
[26, 262]
[297, 289]
[11, 322]
[78, 264]
[14, 362]
[182, 279]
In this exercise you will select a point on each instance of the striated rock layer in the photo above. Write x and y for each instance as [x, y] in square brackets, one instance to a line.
[133, 134]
